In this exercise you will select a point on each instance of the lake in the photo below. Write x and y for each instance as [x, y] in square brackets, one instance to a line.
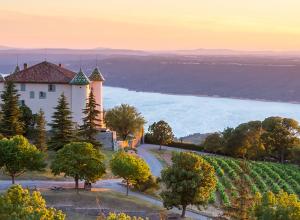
[192, 114]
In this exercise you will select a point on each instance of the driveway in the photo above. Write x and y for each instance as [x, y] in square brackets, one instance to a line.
[112, 184]
[154, 164]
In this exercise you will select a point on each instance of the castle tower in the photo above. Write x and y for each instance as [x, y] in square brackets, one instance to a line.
[80, 91]
[97, 79]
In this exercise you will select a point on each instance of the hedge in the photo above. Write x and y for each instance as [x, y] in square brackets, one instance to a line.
[176, 144]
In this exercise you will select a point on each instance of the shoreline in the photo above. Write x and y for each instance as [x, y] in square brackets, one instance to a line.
[207, 96]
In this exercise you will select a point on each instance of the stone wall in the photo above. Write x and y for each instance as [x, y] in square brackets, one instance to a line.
[108, 139]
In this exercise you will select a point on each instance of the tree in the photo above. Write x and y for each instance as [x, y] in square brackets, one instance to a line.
[18, 203]
[280, 136]
[40, 137]
[19, 156]
[281, 206]
[189, 181]
[62, 126]
[245, 141]
[161, 133]
[91, 121]
[10, 123]
[125, 120]
[296, 155]
[28, 120]
[129, 167]
[214, 143]
[79, 160]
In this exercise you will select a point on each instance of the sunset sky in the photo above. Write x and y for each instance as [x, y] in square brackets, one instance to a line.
[151, 24]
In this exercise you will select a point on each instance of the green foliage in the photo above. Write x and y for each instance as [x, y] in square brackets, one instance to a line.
[280, 136]
[189, 181]
[125, 120]
[28, 120]
[260, 177]
[242, 199]
[18, 203]
[214, 143]
[40, 137]
[274, 138]
[149, 184]
[175, 144]
[161, 133]
[19, 156]
[281, 206]
[62, 127]
[91, 121]
[120, 216]
[129, 167]
[245, 141]
[79, 160]
[10, 123]
[296, 155]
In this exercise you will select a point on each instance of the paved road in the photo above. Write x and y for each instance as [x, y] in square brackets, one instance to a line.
[153, 162]
[112, 184]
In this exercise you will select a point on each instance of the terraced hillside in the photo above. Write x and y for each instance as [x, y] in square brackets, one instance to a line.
[262, 177]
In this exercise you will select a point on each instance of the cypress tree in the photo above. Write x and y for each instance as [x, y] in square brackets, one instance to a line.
[10, 123]
[40, 138]
[28, 120]
[91, 120]
[62, 126]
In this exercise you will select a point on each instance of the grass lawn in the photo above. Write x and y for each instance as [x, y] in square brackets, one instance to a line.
[47, 175]
[104, 199]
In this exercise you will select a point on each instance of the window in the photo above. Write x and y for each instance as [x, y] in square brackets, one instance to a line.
[23, 87]
[42, 95]
[22, 102]
[31, 94]
[51, 88]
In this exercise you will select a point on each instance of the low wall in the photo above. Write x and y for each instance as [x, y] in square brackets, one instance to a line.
[108, 139]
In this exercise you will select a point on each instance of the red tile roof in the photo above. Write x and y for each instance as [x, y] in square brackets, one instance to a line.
[44, 72]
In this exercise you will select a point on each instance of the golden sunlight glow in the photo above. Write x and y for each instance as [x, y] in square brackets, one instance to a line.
[154, 25]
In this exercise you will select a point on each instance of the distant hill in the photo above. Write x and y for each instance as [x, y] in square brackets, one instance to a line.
[264, 75]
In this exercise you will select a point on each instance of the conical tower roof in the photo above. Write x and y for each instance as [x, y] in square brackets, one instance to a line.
[80, 79]
[17, 69]
[96, 75]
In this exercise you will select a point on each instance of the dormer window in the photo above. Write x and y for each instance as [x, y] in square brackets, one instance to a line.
[23, 87]
[51, 88]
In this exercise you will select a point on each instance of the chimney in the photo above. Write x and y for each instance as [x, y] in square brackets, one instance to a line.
[59, 64]
[25, 66]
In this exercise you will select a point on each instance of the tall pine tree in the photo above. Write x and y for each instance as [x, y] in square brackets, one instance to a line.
[62, 126]
[91, 121]
[10, 123]
[40, 137]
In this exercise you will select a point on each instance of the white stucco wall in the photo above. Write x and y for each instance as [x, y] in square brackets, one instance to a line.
[97, 90]
[76, 101]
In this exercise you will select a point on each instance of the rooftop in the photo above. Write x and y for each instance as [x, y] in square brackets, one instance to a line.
[43, 72]
[96, 75]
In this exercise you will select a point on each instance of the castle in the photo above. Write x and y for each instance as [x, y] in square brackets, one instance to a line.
[40, 86]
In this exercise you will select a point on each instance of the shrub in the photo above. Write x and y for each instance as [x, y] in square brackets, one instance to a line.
[176, 144]
[150, 183]
[19, 203]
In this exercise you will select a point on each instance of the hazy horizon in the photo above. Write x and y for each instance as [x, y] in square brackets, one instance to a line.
[157, 25]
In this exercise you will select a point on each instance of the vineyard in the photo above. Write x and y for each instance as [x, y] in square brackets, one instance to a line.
[262, 177]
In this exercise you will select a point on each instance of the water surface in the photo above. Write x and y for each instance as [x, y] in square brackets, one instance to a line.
[192, 114]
